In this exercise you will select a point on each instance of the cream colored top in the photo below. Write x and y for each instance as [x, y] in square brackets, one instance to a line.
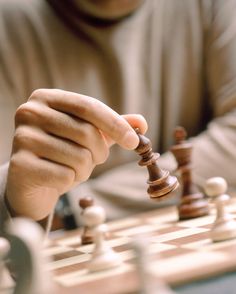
[172, 61]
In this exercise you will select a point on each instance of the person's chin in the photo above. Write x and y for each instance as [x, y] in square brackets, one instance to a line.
[108, 9]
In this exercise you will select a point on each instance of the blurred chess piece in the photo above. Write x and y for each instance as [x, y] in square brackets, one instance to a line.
[64, 216]
[103, 256]
[26, 255]
[147, 283]
[160, 182]
[224, 227]
[6, 282]
[193, 203]
[87, 232]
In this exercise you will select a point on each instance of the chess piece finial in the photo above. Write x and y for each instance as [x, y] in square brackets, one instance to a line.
[224, 227]
[87, 234]
[193, 203]
[160, 181]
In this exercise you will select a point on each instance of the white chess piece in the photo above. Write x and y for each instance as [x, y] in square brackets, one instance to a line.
[224, 227]
[103, 256]
[147, 284]
[6, 282]
[26, 240]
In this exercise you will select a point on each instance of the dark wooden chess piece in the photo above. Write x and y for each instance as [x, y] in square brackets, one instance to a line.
[87, 234]
[193, 203]
[160, 181]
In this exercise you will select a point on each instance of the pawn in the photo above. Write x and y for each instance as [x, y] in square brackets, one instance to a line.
[103, 256]
[160, 182]
[6, 281]
[148, 283]
[87, 234]
[224, 227]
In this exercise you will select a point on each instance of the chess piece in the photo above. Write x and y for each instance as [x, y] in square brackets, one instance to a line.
[148, 284]
[193, 203]
[103, 256]
[224, 227]
[26, 255]
[6, 282]
[160, 181]
[87, 234]
[64, 214]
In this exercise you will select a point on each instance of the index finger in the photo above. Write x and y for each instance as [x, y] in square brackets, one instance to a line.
[92, 111]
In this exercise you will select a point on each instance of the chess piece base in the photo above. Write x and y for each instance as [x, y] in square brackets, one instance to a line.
[85, 240]
[162, 189]
[193, 206]
[104, 261]
[223, 230]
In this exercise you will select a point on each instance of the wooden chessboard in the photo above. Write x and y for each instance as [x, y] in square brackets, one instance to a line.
[179, 252]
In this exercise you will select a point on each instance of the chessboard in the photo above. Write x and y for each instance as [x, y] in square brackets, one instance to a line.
[179, 252]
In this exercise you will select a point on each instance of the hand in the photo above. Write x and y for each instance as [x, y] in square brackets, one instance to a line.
[59, 138]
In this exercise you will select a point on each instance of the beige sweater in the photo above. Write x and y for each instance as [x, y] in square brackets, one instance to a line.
[172, 61]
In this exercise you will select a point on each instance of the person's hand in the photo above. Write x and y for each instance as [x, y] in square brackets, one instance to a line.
[59, 138]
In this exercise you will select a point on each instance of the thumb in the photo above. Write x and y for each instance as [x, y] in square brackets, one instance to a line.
[135, 121]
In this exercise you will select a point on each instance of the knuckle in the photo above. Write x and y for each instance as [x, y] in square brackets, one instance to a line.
[82, 109]
[83, 176]
[23, 113]
[117, 128]
[85, 166]
[103, 156]
[27, 113]
[85, 105]
[68, 177]
[21, 137]
[18, 160]
[38, 94]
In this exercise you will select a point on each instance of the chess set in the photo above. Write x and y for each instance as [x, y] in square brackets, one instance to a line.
[142, 253]
[178, 252]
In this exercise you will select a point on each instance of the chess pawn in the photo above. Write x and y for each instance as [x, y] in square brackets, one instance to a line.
[6, 281]
[148, 283]
[87, 234]
[224, 227]
[103, 256]
[160, 181]
[193, 203]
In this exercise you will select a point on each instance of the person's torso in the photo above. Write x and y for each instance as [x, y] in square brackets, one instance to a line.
[149, 63]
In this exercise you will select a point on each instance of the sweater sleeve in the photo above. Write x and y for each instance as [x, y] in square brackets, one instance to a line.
[214, 150]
